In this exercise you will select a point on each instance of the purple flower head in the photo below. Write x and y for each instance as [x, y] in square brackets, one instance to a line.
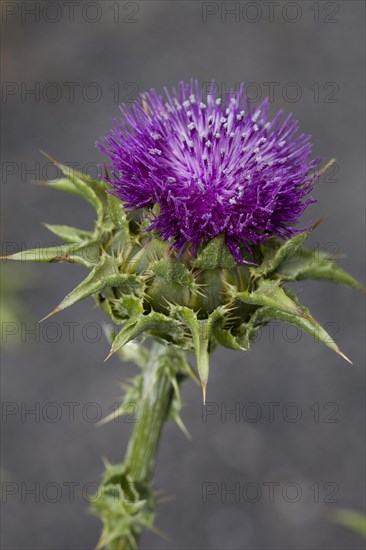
[213, 167]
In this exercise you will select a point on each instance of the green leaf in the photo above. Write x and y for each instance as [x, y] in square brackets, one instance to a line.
[105, 274]
[312, 264]
[69, 234]
[61, 184]
[305, 322]
[141, 323]
[91, 190]
[268, 293]
[174, 414]
[249, 330]
[201, 330]
[86, 254]
[225, 338]
[134, 353]
[86, 189]
[129, 305]
[275, 254]
[129, 352]
[214, 255]
[117, 212]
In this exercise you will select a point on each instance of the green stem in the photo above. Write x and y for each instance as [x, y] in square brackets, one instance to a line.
[156, 398]
[124, 523]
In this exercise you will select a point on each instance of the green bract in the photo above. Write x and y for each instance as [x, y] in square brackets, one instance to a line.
[193, 303]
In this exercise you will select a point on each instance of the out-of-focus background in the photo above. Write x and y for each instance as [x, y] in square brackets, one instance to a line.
[281, 444]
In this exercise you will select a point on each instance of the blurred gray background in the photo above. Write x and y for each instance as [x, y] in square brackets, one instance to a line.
[82, 59]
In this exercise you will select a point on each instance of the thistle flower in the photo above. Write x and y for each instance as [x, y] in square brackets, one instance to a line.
[215, 182]
[213, 167]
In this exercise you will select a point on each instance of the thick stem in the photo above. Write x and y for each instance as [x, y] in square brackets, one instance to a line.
[156, 397]
[160, 376]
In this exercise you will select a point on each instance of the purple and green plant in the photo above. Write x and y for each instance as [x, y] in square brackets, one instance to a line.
[193, 245]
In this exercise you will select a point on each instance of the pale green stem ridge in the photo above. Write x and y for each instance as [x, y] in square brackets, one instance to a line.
[155, 402]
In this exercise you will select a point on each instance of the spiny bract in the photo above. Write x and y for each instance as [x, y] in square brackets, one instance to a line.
[194, 302]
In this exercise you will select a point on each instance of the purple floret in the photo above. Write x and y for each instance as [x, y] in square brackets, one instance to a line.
[213, 166]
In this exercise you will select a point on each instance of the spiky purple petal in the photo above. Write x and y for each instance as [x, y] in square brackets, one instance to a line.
[213, 167]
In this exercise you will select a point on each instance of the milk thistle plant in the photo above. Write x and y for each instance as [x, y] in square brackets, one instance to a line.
[194, 241]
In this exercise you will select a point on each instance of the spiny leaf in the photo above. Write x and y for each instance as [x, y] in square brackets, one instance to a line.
[274, 255]
[136, 353]
[107, 301]
[125, 506]
[138, 324]
[312, 264]
[306, 323]
[69, 234]
[82, 183]
[86, 187]
[214, 255]
[105, 274]
[225, 338]
[84, 253]
[248, 331]
[268, 293]
[117, 212]
[61, 184]
[175, 413]
[129, 305]
[133, 390]
[201, 330]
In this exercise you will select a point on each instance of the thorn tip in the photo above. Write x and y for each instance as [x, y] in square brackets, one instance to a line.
[345, 357]
[108, 356]
[204, 388]
[56, 310]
